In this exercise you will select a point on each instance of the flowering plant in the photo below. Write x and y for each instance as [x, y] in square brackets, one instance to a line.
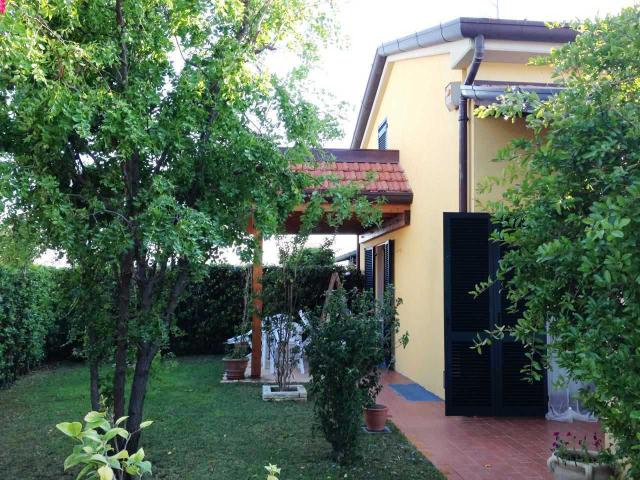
[572, 449]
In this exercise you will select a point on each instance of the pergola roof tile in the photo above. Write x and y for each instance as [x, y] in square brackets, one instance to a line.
[379, 172]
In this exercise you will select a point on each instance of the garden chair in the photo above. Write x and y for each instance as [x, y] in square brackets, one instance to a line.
[247, 338]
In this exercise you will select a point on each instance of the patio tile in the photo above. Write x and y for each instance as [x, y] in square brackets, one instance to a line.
[477, 448]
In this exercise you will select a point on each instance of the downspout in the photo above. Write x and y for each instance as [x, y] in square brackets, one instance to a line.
[463, 119]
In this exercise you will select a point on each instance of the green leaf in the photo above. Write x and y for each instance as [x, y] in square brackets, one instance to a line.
[74, 459]
[120, 420]
[71, 429]
[116, 431]
[138, 456]
[94, 417]
[84, 471]
[146, 424]
[105, 473]
[122, 454]
[145, 467]
[99, 458]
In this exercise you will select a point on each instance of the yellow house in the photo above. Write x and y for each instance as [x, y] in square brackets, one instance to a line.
[420, 94]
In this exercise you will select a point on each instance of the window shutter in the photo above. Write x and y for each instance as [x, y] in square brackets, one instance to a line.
[382, 135]
[388, 263]
[491, 383]
[468, 376]
[369, 269]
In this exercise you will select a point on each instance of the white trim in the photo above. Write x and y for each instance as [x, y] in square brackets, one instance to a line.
[534, 48]
[460, 52]
[384, 78]
[439, 49]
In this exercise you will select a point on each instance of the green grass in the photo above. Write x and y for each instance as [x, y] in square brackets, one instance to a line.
[202, 430]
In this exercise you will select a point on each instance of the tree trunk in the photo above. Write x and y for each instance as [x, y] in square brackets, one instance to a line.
[122, 330]
[146, 353]
[95, 384]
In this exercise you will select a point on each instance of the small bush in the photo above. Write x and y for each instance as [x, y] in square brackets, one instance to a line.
[343, 350]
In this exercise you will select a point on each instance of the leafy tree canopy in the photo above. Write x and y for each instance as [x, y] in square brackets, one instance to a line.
[139, 137]
[570, 217]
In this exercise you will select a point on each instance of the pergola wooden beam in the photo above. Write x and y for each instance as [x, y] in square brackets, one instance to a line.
[384, 208]
[390, 225]
[256, 295]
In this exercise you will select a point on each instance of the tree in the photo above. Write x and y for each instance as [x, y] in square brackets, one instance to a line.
[321, 256]
[140, 136]
[570, 222]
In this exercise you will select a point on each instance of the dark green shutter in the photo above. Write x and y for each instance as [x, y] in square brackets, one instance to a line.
[369, 269]
[491, 383]
[388, 263]
[468, 379]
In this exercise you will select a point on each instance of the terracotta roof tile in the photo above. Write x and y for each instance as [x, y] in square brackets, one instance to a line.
[386, 177]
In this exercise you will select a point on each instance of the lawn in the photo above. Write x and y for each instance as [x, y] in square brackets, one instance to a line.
[202, 430]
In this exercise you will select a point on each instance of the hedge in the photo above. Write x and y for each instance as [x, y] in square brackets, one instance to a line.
[27, 316]
[212, 309]
[37, 305]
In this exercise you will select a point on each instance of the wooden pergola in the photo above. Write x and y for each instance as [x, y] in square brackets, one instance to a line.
[381, 176]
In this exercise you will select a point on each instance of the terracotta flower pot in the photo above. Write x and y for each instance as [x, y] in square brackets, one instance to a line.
[579, 469]
[235, 367]
[375, 417]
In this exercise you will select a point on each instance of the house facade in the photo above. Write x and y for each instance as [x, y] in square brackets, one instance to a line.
[415, 102]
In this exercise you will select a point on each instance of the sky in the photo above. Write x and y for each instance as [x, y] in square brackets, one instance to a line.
[366, 24]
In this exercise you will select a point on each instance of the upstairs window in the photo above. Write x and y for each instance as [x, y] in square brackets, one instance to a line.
[382, 135]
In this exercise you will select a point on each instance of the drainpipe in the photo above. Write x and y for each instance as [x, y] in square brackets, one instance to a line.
[463, 119]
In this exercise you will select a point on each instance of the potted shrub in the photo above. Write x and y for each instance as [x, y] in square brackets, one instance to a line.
[386, 311]
[236, 361]
[346, 350]
[576, 461]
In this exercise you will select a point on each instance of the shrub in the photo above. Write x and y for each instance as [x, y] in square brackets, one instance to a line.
[101, 448]
[569, 221]
[343, 351]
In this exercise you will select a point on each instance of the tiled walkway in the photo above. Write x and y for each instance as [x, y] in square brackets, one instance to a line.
[472, 448]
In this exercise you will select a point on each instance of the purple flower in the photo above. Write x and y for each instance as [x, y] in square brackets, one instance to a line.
[555, 434]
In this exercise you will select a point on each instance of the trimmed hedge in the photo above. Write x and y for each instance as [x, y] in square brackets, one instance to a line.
[37, 305]
[27, 316]
[212, 308]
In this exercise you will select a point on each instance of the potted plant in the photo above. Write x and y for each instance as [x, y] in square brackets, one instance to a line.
[346, 351]
[375, 414]
[386, 310]
[576, 461]
[236, 360]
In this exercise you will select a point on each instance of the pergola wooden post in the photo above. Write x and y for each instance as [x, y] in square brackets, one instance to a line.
[256, 294]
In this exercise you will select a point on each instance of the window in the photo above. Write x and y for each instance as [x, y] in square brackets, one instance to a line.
[382, 135]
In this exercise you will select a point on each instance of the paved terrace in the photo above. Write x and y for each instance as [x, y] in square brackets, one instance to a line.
[478, 448]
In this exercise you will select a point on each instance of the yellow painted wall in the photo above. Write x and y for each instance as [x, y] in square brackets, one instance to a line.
[512, 72]
[488, 135]
[426, 134]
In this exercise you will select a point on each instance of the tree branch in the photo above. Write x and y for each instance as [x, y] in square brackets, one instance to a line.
[124, 61]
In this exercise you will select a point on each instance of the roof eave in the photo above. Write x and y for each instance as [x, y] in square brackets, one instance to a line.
[464, 27]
